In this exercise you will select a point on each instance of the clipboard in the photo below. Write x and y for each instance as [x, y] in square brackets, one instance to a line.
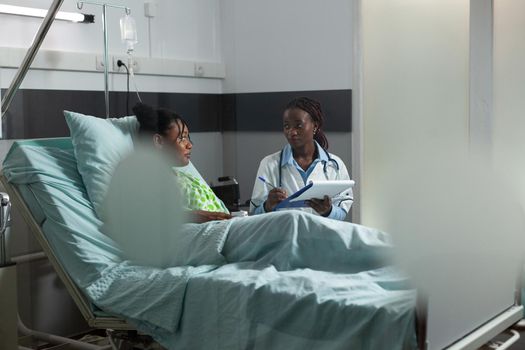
[315, 189]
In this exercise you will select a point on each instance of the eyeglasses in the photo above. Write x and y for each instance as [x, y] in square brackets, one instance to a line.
[184, 140]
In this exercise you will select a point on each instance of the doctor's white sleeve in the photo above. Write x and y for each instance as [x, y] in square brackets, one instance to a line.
[260, 189]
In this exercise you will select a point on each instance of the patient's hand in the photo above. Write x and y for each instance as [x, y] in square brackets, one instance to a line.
[200, 216]
[275, 196]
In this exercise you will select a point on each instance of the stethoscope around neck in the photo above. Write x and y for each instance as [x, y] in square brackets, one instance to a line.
[326, 162]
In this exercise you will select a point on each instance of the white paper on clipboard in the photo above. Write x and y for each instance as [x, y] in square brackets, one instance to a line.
[319, 189]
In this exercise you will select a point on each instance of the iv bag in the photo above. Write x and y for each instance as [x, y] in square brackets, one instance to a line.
[128, 31]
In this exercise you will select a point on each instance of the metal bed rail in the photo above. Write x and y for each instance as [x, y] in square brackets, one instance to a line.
[79, 298]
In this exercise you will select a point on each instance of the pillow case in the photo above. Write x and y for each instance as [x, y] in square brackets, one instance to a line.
[99, 145]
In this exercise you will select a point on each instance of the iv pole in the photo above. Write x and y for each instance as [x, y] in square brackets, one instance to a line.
[80, 4]
[30, 55]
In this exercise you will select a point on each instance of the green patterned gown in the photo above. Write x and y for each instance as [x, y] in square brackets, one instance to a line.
[198, 195]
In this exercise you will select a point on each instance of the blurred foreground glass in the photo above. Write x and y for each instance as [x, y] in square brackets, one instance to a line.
[143, 208]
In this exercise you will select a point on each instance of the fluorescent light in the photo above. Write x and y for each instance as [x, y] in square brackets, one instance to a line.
[34, 12]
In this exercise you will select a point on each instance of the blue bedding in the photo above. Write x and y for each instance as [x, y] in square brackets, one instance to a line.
[282, 281]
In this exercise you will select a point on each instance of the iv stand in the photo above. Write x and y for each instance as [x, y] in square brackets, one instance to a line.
[30, 55]
[80, 4]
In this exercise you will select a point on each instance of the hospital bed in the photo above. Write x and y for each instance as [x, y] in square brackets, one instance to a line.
[233, 305]
[237, 306]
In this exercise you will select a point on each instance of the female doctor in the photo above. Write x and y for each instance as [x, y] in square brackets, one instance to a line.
[305, 158]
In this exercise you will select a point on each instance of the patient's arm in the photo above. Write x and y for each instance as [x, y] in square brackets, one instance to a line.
[200, 216]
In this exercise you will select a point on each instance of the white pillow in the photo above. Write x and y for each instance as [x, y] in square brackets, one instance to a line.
[99, 145]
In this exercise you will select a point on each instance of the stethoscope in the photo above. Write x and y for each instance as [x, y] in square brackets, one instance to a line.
[326, 162]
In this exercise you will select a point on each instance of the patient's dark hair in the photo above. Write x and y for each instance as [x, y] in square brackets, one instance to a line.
[158, 120]
[313, 108]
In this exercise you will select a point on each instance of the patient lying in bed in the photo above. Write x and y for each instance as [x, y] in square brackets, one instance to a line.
[170, 134]
[287, 240]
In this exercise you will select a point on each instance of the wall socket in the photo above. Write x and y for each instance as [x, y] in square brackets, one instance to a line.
[198, 69]
[124, 59]
[99, 63]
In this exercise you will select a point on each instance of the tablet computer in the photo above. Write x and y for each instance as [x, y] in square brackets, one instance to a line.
[319, 189]
[316, 189]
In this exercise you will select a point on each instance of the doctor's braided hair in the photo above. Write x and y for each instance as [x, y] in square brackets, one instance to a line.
[157, 121]
[313, 108]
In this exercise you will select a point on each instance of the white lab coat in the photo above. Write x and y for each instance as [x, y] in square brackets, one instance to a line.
[292, 181]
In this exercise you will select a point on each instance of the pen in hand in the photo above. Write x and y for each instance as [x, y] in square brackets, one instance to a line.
[266, 182]
[275, 196]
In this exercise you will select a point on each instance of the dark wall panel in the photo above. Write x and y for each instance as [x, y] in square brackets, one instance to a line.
[38, 113]
[263, 111]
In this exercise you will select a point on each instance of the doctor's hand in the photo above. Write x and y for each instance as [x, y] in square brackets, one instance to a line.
[275, 196]
[322, 206]
[200, 216]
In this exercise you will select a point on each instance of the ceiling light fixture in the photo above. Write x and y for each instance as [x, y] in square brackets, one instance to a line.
[40, 13]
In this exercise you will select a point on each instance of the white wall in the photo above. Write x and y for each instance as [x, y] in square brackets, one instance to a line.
[182, 30]
[287, 45]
